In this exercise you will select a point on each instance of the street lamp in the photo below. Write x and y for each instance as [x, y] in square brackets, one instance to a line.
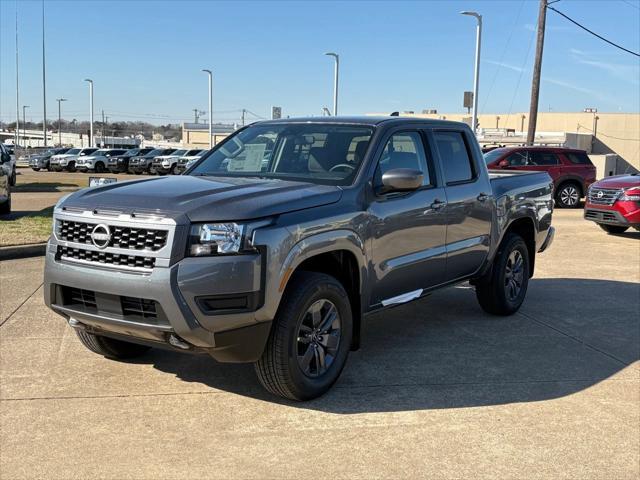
[24, 126]
[90, 110]
[335, 80]
[208, 72]
[476, 76]
[60, 100]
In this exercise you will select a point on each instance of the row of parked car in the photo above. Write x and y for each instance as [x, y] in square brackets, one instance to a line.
[150, 160]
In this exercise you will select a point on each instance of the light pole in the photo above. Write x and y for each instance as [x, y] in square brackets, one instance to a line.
[208, 72]
[60, 100]
[335, 80]
[44, 85]
[476, 76]
[90, 110]
[24, 126]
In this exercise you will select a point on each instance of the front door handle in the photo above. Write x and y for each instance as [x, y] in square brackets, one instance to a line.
[482, 197]
[437, 204]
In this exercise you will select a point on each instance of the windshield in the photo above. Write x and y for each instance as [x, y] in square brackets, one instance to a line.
[154, 153]
[493, 155]
[132, 152]
[319, 153]
[74, 151]
[98, 153]
[178, 153]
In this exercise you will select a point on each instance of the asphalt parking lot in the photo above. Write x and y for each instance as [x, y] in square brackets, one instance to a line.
[439, 389]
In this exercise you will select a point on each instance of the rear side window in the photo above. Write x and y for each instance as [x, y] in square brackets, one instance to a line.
[518, 159]
[578, 158]
[543, 158]
[456, 161]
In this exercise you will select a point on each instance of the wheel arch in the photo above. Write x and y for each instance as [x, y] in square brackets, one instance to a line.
[339, 253]
[525, 227]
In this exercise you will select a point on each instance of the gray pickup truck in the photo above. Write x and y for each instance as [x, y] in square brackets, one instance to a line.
[276, 245]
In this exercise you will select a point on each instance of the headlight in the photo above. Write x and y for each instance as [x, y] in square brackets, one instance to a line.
[215, 239]
[630, 195]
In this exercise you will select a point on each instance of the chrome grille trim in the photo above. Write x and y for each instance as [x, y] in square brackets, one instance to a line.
[609, 195]
[94, 257]
[121, 237]
[157, 251]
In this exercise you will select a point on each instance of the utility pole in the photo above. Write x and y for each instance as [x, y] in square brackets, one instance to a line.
[196, 115]
[102, 129]
[88, 80]
[44, 85]
[243, 112]
[537, 68]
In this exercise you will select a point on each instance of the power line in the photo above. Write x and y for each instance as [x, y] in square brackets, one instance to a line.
[593, 33]
[637, 7]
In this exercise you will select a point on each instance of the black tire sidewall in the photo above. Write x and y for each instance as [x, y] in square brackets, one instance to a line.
[513, 243]
[324, 288]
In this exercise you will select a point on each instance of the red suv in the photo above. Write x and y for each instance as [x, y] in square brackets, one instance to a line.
[571, 170]
[614, 203]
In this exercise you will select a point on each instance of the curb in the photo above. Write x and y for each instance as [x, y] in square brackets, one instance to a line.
[23, 251]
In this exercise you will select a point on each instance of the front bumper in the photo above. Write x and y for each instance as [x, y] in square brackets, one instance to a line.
[625, 213]
[199, 300]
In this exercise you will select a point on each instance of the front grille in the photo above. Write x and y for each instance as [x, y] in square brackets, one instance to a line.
[601, 216]
[105, 258]
[121, 237]
[604, 196]
[80, 297]
[140, 307]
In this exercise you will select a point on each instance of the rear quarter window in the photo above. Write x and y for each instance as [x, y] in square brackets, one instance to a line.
[578, 158]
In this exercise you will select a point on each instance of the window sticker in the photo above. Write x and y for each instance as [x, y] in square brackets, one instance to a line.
[249, 160]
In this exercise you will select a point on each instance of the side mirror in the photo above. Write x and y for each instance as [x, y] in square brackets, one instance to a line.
[401, 180]
[503, 163]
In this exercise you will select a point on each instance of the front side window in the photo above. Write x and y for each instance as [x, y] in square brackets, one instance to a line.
[319, 153]
[456, 161]
[542, 159]
[404, 150]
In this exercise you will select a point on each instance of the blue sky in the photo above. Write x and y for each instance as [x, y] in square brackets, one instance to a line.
[145, 56]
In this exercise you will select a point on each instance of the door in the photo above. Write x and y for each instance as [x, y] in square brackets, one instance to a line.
[408, 228]
[470, 204]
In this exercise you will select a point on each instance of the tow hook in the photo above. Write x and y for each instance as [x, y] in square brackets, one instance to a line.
[75, 324]
[178, 342]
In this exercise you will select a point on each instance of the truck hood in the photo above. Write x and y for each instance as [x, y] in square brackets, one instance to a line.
[619, 181]
[204, 199]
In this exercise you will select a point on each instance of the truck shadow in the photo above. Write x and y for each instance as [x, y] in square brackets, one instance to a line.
[444, 352]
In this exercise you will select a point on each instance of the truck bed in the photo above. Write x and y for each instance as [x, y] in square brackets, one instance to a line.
[531, 184]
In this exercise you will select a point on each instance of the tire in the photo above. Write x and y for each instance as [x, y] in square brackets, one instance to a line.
[99, 167]
[48, 167]
[494, 292]
[5, 207]
[568, 195]
[613, 228]
[282, 369]
[110, 347]
[12, 179]
[35, 169]
[71, 167]
[172, 170]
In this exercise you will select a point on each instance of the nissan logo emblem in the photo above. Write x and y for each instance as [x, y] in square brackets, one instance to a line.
[101, 235]
[600, 194]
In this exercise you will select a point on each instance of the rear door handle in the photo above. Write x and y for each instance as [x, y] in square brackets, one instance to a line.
[482, 197]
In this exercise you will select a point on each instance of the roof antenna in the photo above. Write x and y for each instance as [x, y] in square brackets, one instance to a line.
[395, 114]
